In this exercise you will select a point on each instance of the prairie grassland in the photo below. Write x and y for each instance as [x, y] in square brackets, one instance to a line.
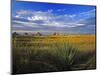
[32, 54]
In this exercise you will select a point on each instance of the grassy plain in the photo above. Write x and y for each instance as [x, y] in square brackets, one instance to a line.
[32, 54]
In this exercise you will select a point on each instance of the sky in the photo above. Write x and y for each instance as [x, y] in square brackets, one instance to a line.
[50, 17]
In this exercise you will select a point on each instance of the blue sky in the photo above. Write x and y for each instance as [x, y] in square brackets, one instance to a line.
[49, 18]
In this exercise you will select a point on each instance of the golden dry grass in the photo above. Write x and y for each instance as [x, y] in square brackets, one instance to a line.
[53, 53]
[83, 42]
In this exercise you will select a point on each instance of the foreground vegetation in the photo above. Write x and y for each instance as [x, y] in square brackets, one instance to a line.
[34, 54]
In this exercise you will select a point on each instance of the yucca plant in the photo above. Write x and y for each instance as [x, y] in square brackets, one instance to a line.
[66, 55]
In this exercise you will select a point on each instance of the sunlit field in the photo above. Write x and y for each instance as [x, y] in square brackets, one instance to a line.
[34, 54]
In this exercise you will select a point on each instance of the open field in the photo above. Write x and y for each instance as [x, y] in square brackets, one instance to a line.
[32, 54]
